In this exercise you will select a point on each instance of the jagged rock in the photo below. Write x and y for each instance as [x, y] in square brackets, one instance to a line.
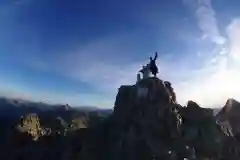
[146, 124]
[78, 123]
[171, 91]
[30, 124]
[226, 127]
[231, 113]
[65, 107]
[145, 115]
[195, 114]
[134, 99]
[202, 131]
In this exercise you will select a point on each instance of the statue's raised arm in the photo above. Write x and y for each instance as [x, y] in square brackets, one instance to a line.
[156, 55]
[153, 66]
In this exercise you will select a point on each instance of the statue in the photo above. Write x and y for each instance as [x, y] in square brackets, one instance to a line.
[152, 65]
[145, 71]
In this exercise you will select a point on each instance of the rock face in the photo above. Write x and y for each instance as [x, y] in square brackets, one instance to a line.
[231, 113]
[147, 123]
[143, 112]
[31, 125]
[201, 131]
[31, 140]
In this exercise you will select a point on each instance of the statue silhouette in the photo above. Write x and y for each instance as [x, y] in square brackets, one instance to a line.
[145, 71]
[153, 66]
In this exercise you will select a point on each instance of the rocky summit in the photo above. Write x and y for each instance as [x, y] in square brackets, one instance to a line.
[230, 114]
[147, 124]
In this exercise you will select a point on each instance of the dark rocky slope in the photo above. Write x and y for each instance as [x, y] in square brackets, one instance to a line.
[147, 123]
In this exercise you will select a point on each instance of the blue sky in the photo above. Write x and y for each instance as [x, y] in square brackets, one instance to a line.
[80, 51]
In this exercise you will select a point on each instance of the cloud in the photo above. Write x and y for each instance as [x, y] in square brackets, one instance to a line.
[109, 73]
[210, 83]
[105, 64]
[207, 22]
[233, 31]
[217, 79]
[93, 65]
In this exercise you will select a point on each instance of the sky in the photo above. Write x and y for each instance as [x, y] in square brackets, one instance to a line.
[81, 51]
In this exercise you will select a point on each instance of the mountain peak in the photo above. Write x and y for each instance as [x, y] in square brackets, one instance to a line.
[148, 112]
[231, 100]
[230, 104]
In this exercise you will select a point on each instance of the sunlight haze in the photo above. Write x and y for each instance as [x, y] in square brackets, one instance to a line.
[80, 52]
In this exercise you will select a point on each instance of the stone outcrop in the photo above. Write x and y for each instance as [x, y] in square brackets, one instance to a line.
[146, 114]
[31, 125]
[230, 113]
[147, 123]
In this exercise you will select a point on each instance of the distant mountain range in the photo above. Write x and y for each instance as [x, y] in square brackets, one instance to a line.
[10, 102]
[15, 108]
[10, 105]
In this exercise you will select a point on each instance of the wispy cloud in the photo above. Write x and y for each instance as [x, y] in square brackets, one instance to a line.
[218, 78]
[207, 22]
[110, 73]
[233, 31]
[209, 84]
[91, 64]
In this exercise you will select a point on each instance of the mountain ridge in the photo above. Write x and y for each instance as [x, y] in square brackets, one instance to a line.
[146, 123]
